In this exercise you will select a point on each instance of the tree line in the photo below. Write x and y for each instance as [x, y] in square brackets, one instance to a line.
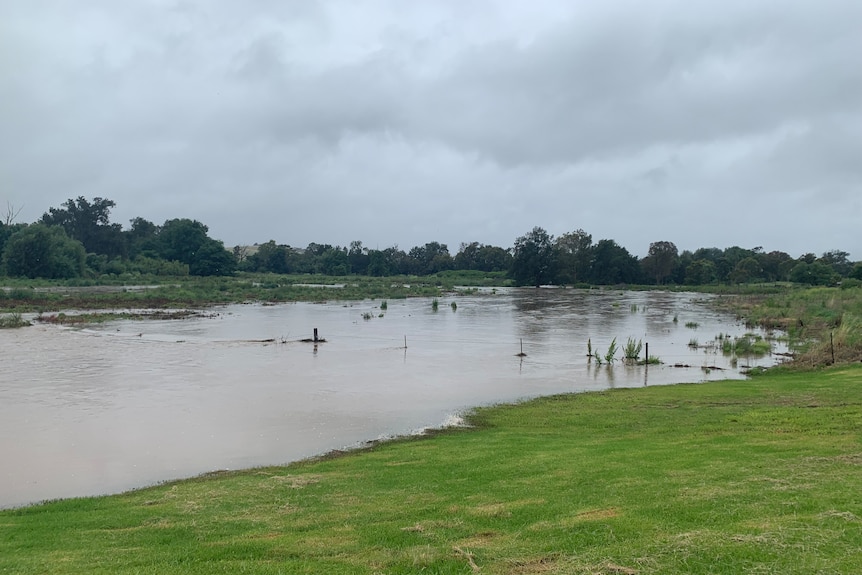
[78, 240]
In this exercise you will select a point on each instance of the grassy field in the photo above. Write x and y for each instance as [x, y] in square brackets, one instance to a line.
[758, 476]
[51, 296]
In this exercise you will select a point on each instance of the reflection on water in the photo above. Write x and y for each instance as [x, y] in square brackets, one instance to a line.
[127, 404]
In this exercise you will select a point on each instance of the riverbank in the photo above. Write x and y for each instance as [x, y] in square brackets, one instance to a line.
[724, 477]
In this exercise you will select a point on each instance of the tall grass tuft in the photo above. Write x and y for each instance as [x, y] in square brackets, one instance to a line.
[632, 349]
[612, 351]
[12, 321]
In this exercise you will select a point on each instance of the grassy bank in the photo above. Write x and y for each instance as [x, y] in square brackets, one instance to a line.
[824, 325]
[759, 476]
[45, 296]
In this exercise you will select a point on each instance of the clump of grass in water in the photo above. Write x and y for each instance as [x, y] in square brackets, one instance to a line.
[383, 305]
[612, 351]
[692, 324]
[632, 349]
[454, 306]
[435, 304]
[675, 318]
[693, 343]
[12, 321]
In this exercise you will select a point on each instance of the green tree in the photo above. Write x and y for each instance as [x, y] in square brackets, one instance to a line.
[429, 259]
[212, 259]
[186, 241]
[774, 265]
[270, 258]
[89, 223]
[476, 256]
[613, 264]
[837, 260]
[390, 261]
[40, 251]
[357, 257]
[700, 272]
[534, 259]
[142, 238]
[335, 262]
[660, 261]
[815, 273]
[746, 270]
[575, 253]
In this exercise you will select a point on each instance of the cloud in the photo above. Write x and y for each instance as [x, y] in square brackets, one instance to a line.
[393, 122]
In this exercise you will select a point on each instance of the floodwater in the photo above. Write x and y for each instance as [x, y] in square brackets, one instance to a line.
[127, 404]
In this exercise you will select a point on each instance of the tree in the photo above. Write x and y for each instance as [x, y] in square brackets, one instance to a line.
[89, 223]
[386, 262]
[186, 241]
[575, 252]
[746, 270]
[40, 251]
[10, 215]
[774, 265]
[838, 261]
[334, 262]
[660, 260]
[700, 272]
[270, 258]
[429, 259]
[534, 259]
[476, 256]
[815, 273]
[212, 259]
[357, 257]
[613, 264]
[142, 237]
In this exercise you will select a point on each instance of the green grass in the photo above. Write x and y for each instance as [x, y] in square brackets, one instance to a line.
[12, 321]
[758, 476]
[201, 292]
[820, 323]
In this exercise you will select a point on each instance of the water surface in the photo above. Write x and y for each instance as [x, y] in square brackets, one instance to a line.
[127, 404]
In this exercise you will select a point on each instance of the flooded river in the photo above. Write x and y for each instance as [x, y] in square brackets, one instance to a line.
[127, 404]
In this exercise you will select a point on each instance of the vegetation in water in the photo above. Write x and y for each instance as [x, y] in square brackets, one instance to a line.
[12, 321]
[612, 351]
[632, 349]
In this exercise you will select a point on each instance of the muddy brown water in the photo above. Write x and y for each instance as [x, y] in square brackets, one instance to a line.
[128, 404]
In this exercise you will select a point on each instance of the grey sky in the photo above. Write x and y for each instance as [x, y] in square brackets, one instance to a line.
[708, 124]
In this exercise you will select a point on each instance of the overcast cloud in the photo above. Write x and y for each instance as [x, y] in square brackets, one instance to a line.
[708, 124]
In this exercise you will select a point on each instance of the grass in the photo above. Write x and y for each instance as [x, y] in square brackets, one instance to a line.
[12, 321]
[819, 322]
[758, 476]
[182, 292]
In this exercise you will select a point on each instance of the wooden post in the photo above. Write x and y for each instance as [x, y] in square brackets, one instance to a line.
[315, 335]
[405, 342]
[646, 351]
[832, 347]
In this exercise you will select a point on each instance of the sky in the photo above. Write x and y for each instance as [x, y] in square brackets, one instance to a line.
[702, 123]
